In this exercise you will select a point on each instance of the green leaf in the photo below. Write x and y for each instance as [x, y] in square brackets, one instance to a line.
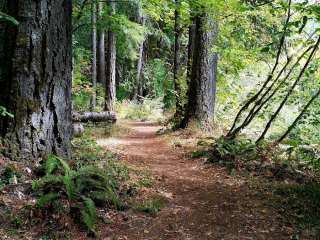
[8, 18]
[47, 198]
[88, 213]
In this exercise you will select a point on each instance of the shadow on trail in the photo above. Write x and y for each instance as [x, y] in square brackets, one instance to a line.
[202, 203]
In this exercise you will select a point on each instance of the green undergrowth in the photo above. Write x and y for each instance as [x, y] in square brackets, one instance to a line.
[290, 171]
[93, 178]
[148, 110]
[302, 202]
[76, 190]
[243, 151]
[299, 204]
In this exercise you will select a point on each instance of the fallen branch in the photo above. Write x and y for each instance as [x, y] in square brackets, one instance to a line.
[94, 117]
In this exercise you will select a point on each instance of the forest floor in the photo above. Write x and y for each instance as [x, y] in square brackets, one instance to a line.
[198, 201]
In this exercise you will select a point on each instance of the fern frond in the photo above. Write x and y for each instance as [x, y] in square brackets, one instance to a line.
[88, 213]
[70, 187]
[47, 199]
[47, 180]
[51, 164]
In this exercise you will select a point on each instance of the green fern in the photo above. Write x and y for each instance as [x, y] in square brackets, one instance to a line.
[53, 163]
[70, 187]
[88, 213]
[8, 18]
[82, 188]
[47, 181]
[46, 199]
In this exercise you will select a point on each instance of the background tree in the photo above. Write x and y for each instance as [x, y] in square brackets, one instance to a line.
[94, 53]
[101, 47]
[111, 64]
[177, 71]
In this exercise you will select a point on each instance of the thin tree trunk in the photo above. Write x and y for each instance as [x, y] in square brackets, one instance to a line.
[191, 87]
[93, 101]
[139, 85]
[262, 101]
[101, 50]
[302, 113]
[274, 116]
[191, 43]
[119, 73]
[35, 78]
[110, 97]
[269, 78]
[177, 61]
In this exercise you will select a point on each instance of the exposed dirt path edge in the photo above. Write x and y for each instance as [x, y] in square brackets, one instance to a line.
[202, 203]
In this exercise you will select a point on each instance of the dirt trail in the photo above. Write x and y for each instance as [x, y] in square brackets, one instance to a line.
[202, 202]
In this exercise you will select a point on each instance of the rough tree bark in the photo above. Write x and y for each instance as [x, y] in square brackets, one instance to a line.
[110, 97]
[35, 78]
[101, 78]
[202, 86]
[93, 101]
[177, 60]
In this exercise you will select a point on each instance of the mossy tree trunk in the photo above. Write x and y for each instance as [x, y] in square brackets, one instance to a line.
[35, 78]
[177, 72]
[202, 85]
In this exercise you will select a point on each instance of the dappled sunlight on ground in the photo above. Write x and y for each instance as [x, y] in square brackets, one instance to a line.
[202, 202]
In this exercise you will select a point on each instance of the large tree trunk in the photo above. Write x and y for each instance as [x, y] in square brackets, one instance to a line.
[94, 54]
[101, 50]
[202, 86]
[35, 78]
[110, 97]
[139, 85]
[177, 61]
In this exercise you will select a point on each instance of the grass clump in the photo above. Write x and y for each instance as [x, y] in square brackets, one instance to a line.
[151, 206]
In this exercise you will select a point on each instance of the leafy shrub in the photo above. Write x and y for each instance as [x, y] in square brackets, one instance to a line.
[301, 155]
[230, 149]
[82, 189]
